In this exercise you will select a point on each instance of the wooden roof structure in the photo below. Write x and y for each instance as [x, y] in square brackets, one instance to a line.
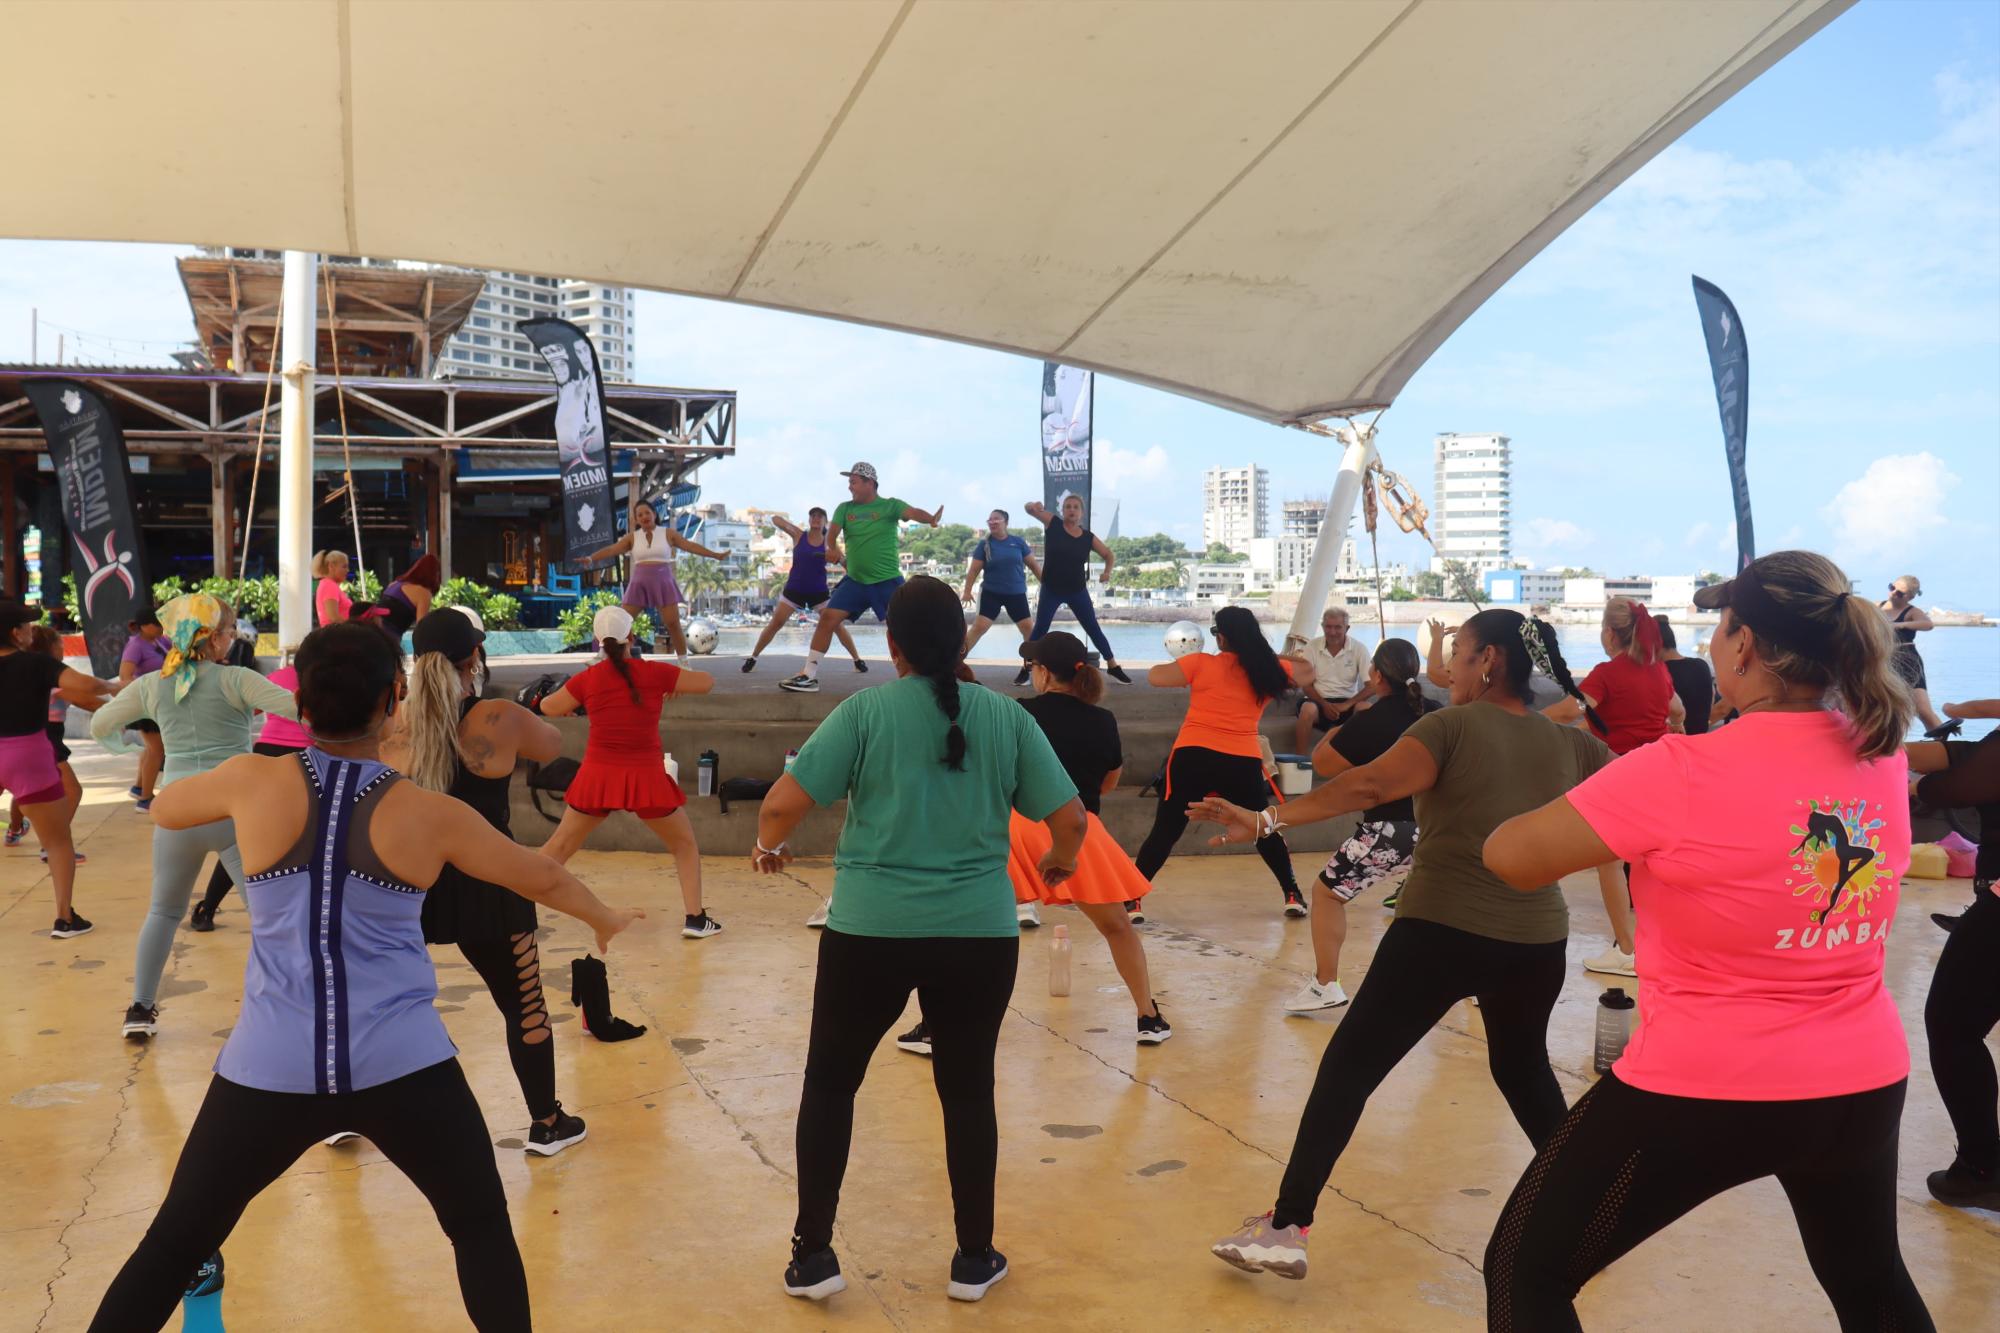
[390, 321]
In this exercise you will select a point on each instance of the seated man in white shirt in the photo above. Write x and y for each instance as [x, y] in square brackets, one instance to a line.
[1340, 669]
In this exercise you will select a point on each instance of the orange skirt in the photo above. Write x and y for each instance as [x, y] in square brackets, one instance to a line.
[1104, 874]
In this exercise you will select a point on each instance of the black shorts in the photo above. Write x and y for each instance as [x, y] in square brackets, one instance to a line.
[1319, 716]
[803, 601]
[1909, 664]
[55, 730]
[1015, 604]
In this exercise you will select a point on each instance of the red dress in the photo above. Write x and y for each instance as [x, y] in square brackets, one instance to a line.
[624, 764]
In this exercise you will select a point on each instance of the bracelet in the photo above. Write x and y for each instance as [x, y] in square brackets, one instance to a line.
[762, 850]
[1267, 822]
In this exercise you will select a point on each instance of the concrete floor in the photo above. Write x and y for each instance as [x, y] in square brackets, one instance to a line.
[1119, 1163]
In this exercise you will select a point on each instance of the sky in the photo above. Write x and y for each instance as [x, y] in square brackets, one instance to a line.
[1848, 201]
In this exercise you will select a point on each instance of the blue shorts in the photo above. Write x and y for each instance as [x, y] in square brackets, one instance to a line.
[1015, 604]
[856, 599]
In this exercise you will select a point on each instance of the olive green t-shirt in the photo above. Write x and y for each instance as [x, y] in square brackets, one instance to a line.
[1492, 765]
[869, 533]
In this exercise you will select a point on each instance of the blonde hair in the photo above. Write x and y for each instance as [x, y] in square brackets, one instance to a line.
[324, 561]
[430, 722]
[1869, 690]
[1621, 621]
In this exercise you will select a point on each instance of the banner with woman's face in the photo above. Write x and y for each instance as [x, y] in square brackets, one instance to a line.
[588, 522]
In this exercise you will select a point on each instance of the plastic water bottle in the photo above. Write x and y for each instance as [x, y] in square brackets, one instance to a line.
[1059, 962]
[1615, 1015]
[791, 757]
[201, 1303]
[705, 772]
[672, 766]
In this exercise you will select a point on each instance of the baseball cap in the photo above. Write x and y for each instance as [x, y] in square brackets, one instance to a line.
[446, 631]
[1059, 651]
[865, 471]
[1765, 615]
[611, 622]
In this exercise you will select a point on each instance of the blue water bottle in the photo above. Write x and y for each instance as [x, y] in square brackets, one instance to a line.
[201, 1305]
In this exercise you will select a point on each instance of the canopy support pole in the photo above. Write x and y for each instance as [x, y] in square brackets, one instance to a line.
[296, 354]
[1325, 563]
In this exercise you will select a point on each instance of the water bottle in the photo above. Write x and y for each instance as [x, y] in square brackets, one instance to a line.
[705, 773]
[1059, 962]
[672, 766]
[791, 757]
[1615, 1015]
[201, 1303]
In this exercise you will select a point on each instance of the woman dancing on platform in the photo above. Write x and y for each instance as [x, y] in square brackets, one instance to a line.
[916, 911]
[204, 710]
[1770, 1046]
[339, 1028]
[1907, 621]
[624, 764]
[652, 586]
[1066, 549]
[1459, 931]
[805, 585]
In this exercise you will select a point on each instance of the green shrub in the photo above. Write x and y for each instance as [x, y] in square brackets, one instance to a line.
[575, 622]
[496, 609]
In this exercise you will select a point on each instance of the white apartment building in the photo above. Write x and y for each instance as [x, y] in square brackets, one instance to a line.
[488, 345]
[1302, 518]
[1284, 559]
[731, 536]
[1596, 591]
[1471, 501]
[1235, 506]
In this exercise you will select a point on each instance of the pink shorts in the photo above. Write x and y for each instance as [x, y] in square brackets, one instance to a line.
[28, 769]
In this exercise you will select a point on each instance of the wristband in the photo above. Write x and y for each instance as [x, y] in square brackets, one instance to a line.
[1268, 822]
[762, 850]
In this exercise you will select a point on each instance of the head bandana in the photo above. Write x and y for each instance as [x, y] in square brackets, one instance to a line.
[189, 621]
[1538, 652]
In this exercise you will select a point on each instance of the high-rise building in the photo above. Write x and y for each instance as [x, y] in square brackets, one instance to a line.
[1471, 501]
[1303, 517]
[1235, 506]
[487, 344]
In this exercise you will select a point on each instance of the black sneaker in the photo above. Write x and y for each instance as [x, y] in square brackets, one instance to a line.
[71, 926]
[1022, 676]
[814, 1276]
[860, 664]
[1944, 730]
[1962, 1187]
[973, 1275]
[1135, 913]
[701, 927]
[917, 1041]
[548, 1140]
[749, 664]
[1295, 903]
[1117, 672]
[1154, 1028]
[202, 918]
[1945, 921]
[142, 1020]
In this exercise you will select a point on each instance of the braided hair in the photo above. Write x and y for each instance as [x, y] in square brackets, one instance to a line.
[928, 631]
[614, 653]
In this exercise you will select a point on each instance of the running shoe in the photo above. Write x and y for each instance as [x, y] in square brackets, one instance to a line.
[202, 918]
[814, 1276]
[1945, 921]
[801, 684]
[749, 664]
[1028, 914]
[134, 792]
[71, 926]
[1962, 1187]
[817, 921]
[548, 1140]
[344, 1136]
[80, 857]
[1613, 962]
[701, 926]
[917, 1041]
[1135, 913]
[1022, 676]
[1117, 672]
[1262, 1248]
[1295, 903]
[143, 806]
[1313, 997]
[860, 664]
[141, 1020]
[1945, 730]
[1154, 1028]
[973, 1275]
[1389, 903]
[14, 835]
[207, 1280]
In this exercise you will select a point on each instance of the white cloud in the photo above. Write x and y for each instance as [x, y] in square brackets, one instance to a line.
[1698, 533]
[1548, 533]
[1892, 509]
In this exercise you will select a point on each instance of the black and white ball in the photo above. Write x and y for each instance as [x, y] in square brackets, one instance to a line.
[1184, 637]
[701, 636]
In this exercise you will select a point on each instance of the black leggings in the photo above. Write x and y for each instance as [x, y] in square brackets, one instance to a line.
[1964, 1005]
[1194, 772]
[512, 971]
[963, 986]
[1626, 1163]
[1079, 605]
[1419, 971]
[426, 1123]
[219, 882]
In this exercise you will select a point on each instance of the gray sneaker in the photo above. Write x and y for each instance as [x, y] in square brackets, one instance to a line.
[801, 684]
[1261, 1248]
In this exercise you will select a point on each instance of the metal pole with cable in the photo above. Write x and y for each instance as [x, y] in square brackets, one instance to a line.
[297, 351]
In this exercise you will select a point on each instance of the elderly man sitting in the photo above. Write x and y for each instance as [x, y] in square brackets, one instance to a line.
[1340, 669]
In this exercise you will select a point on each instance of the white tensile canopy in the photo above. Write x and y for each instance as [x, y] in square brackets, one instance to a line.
[1282, 208]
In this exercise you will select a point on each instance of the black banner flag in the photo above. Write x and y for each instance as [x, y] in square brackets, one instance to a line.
[87, 449]
[1066, 395]
[581, 436]
[1729, 360]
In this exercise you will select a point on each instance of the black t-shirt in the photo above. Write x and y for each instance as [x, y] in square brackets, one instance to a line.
[1696, 687]
[25, 682]
[1369, 734]
[1064, 558]
[1084, 737]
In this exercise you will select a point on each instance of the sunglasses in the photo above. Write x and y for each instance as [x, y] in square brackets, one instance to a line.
[1894, 591]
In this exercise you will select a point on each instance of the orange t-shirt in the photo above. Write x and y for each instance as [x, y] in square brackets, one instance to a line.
[1222, 715]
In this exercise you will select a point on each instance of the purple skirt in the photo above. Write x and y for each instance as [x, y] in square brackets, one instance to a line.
[652, 586]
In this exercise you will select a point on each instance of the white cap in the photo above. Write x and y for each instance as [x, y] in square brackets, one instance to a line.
[611, 622]
[477, 622]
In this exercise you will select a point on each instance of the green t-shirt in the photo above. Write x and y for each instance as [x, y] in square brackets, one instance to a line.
[924, 849]
[869, 533]
[1492, 765]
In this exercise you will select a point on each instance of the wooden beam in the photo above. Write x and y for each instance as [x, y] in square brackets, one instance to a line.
[473, 430]
[447, 466]
[159, 409]
[415, 423]
[218, 509]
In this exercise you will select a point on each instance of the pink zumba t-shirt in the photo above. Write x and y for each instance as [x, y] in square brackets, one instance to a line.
[1738, 840]
[282, 730]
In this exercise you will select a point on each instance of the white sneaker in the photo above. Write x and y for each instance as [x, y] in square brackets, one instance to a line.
[817, 921]
[1028, 914]
[344, 1136]
[1313, 997]
[801, 684]
[1613, 962]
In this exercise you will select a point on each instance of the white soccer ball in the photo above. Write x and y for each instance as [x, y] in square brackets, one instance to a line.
[701, 636]
[1184, 637]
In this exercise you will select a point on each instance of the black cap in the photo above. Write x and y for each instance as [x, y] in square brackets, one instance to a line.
[1753, 606]
[446, 631]
[1715, 596]
[1059, 651]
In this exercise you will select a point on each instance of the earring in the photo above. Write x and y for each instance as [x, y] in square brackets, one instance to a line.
[1486, 678]
[1739, 668]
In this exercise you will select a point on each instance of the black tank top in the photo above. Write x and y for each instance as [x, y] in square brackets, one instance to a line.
[1063, 560]
[486, 795]
[1904, 637]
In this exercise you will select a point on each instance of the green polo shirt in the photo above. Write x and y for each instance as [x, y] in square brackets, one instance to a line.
[869, 533]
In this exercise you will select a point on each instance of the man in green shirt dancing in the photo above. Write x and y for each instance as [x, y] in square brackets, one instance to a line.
[867, 527]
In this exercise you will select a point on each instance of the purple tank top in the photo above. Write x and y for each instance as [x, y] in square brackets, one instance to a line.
[808, 575]
[339, 989]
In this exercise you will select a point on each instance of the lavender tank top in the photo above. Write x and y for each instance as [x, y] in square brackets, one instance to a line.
[339, 989]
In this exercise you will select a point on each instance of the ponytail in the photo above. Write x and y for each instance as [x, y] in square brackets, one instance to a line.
[1876, 699]
[614, 653]
[430, 720]
[927, 630]
[1632, 627]
[1087, 683]
[1400, 665]
[1268, 677]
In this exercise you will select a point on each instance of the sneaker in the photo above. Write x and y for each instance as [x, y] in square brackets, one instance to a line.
[701, 926]
[1262, 1248]
[71, 926]
[1117, 672]
[1313, 997]
[1389, 903]
[1945, 921]
[1135, 913]
[80, 857]
[860, 664]
[1962, 1187]
[1944, 730]
[143, 806]
[973, 1275]
[1295, 903]
[548, 1140]
[1022, 676]
[202, 918]
[134, 792]
[749, 664]
[344, 1136]
[207, 1280]
[917, 1041]
[1613, 962]
[801, 684]
[14, 836]
[1154, 1028]
[814, 1276]
[817, 921]
[141, 1020]
[1028, 914]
